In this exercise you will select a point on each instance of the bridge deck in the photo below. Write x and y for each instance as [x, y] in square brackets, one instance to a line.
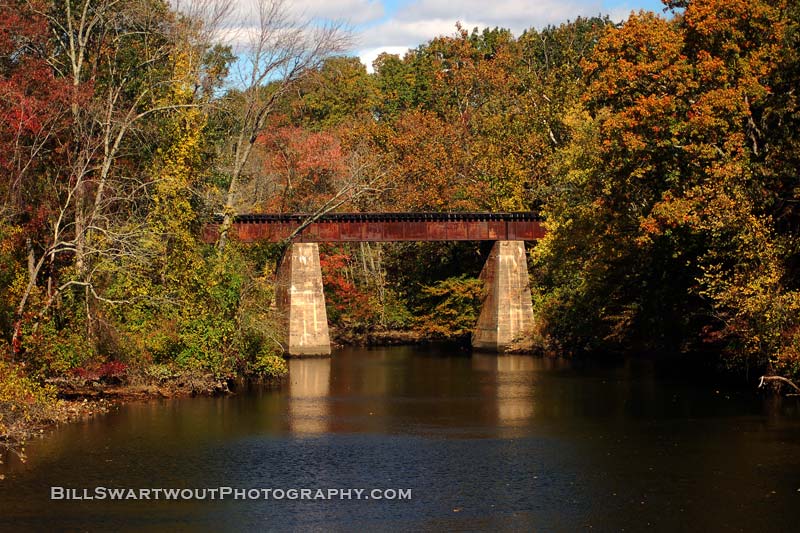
[375, 227]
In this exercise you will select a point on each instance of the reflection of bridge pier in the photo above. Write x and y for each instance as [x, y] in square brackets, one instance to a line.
[309, 388]
[512, 385]
[507, 312]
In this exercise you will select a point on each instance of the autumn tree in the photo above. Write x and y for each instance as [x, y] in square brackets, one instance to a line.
[282, 50]
[34, 120]
[115, 63]
[339, 91]
[659, 231]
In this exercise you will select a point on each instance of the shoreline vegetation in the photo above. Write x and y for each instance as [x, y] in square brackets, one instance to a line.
[662, 153]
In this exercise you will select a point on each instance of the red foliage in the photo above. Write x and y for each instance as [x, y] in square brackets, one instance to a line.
[33, 102]
[348, 304]
[306, 166]
[110, 371]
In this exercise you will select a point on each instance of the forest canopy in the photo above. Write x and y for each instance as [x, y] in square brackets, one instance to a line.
[662, 151]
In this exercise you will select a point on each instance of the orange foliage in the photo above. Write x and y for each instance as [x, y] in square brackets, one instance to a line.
[308, 166]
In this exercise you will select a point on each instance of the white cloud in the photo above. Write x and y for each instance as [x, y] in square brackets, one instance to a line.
[371, 54]
[350, 11]
[513, 14]
[415, 22]
[620, 13]
[243, 23]
[410, 33]
[423, 20]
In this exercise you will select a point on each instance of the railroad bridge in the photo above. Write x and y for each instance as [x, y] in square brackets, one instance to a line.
[506, 312]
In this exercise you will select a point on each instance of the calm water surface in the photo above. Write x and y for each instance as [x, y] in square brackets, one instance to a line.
[484, 442]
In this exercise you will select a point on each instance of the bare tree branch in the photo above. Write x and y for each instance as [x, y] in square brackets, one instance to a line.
[778, 379]
[282, 51]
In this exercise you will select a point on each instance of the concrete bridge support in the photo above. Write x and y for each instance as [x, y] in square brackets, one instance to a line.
[507, 310]
[301, 302]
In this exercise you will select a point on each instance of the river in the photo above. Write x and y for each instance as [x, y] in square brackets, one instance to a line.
[483, 442]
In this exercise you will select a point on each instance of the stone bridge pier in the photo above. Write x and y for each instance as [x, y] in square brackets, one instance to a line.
[506, 313]
[507, 309]
[301, 302]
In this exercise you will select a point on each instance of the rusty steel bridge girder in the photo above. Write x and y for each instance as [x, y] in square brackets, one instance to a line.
[383, 227]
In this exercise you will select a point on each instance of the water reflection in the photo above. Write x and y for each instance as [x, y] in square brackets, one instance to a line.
[513, 382]
[513, 442]
[308, 391]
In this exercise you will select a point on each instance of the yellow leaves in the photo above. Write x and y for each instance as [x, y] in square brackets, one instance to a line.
[22, 401]
[662, 177]
[170, 240]
[185, 67]
[8, 237]
[633, 141]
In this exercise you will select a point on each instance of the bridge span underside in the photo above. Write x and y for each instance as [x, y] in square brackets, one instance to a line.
[506, 316]
[384, 227]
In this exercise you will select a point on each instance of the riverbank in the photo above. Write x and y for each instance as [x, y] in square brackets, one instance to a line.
[377, 337]
[28, 410]
[394, 337]
[17, 431]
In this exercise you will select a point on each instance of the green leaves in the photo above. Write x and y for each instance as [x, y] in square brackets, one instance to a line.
[450, 307]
